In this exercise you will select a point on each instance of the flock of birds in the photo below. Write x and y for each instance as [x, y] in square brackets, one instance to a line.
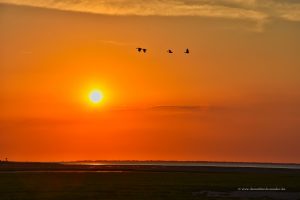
[139, 49]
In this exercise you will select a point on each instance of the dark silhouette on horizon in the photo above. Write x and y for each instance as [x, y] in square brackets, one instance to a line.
[170, 51]
[187, 51]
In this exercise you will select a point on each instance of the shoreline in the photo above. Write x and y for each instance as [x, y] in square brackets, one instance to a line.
[58, 167]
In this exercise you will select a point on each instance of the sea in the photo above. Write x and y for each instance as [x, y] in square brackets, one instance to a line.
[191, 163]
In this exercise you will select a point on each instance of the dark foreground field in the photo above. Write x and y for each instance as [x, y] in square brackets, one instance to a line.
[55, 181]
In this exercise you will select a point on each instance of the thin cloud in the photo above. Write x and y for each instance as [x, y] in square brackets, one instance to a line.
[26, 52]
[117, 43]
[145, 8]
[259, 12]
[180, 108]
[168, 108]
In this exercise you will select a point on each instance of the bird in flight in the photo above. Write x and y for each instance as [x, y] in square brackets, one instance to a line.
[141, 49]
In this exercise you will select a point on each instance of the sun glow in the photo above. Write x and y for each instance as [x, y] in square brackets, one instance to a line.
[95, 96]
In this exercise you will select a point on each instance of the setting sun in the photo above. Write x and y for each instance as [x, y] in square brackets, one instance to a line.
[95, 96]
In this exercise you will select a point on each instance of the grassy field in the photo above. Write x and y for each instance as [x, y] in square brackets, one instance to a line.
[142, 185]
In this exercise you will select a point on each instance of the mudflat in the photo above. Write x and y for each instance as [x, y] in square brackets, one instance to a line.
[58, 181]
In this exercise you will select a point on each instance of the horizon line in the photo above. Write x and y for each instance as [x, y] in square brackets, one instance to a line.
[187, 161]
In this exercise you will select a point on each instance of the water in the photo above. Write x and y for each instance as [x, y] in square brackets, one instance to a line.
[187, 164]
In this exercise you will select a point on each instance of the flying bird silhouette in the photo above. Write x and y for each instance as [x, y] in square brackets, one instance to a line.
[170, 51]
[187, 51]
[139, 49]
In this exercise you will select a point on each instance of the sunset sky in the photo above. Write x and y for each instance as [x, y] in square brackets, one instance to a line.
[235, 97]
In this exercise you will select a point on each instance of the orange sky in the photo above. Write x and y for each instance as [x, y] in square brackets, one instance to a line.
[234, 98]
